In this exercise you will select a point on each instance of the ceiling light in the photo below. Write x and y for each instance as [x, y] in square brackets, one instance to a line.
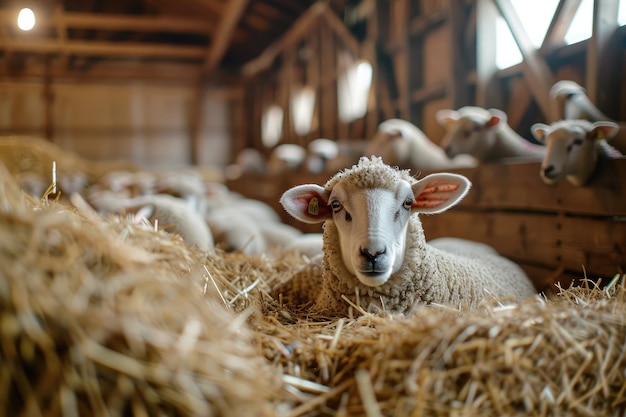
[26, 19]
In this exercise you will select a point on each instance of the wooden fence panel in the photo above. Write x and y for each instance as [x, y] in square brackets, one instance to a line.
[556, 233]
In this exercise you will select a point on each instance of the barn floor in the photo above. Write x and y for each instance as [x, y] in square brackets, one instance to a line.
[100, 316]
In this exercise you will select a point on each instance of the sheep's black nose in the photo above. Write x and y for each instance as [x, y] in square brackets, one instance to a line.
[547, 170]
[371, 256]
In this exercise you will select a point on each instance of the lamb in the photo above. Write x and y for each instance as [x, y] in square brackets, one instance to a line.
[375, 251]
[573, 149]
[571, 102]
[287, 157]
[403, 144]
[320, 151]
[485, 135]
[173, 214]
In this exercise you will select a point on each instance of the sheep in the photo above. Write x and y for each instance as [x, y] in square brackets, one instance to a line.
[485, 135]
[573, 148]
[571, 102]
[173, 214]
[320, 151]
[286, 157]
[401, 143]
[375, 251]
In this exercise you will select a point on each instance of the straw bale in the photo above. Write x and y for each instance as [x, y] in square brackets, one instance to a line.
[103, 317]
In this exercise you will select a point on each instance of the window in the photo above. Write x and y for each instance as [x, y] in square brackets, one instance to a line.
[302, 109]
[582, 23]
[621, 14]
[271, 126]
[353, 91]
[535, 16]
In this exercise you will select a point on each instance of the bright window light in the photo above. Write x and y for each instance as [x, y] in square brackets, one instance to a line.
[582, 24]
[272, 126]
[353, 90]
[535, 16]
[507, 52]
[621, 14]
[302, 109]
[26, 19]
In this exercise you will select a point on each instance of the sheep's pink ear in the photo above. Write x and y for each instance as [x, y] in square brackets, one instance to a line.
[539, 131]
[604, 130]
[436, 193]
[307, 203]
[447, 118]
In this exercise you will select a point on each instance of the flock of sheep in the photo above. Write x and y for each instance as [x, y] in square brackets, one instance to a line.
[568, 149]
[372, 253]
[375, 254]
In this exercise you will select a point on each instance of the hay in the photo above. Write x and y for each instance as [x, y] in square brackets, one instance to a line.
[105, 317]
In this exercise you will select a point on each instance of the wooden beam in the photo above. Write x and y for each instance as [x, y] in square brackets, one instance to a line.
[561, 21]
[342, 32]
[106, 48]
[600, 55]
[48, 99]
[224, 33]
[303, 25]
[115, 22]
[459, 90]
[431, 92]
[536, 72]
[61, 30]
[420, 25]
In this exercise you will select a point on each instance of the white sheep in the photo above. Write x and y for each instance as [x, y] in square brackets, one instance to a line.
[571, 102]
[173, 214]
[285, 158]
[401, 143]
[375, 251]
[484, 134]
[573, 148]
[320, 151]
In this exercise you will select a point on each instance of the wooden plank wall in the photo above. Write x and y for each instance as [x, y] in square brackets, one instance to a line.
[557, 233]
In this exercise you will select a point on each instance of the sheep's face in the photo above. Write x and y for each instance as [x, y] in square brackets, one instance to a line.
[468, 134]
[371, 225]
[371, 215]
[570, 149]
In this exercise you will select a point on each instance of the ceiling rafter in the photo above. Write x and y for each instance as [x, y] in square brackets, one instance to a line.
[224, 33]
[114, 22]
[560, 24]
[536, 71]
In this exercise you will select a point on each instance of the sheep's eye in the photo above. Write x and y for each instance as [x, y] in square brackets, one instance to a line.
[408, 203]
[575, 142]
[335, 206]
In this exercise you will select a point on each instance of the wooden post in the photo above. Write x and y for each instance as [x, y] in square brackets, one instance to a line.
[459, 90]
[48, 97]
[600, 60]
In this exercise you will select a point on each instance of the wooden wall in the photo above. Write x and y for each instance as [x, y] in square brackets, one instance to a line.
[144, 122]
[556, 233]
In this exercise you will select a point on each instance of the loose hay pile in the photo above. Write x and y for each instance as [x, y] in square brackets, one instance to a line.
[102, 317]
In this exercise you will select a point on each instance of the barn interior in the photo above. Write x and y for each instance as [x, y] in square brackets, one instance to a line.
[223, 105]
